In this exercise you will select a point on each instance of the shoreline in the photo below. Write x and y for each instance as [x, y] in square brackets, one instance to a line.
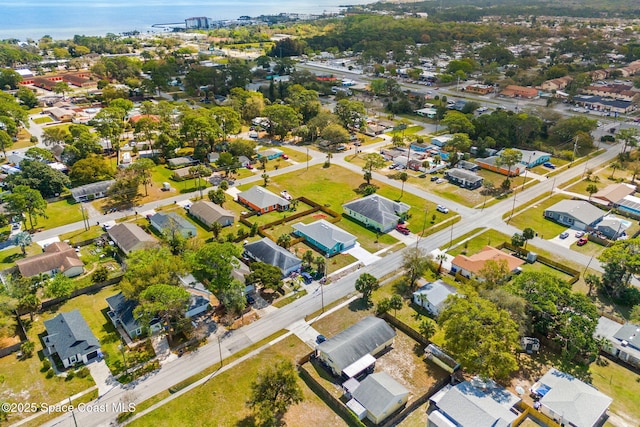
[124, 18]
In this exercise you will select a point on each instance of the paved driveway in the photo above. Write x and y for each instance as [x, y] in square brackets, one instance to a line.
[565, 243]
[362, 254]
[102, 376]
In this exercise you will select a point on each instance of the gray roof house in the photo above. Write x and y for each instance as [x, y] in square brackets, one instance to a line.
[473, 403]
[464, 178]
[165, 222]
[569, 400]
[327, 237]
[368, 337]
[121, 314]
[376, 211]
[177, 162]
[69, 336]
[208, 212]
[262, 200]
[381, 396]
[612, 227]
[624, 340]
[267, 251]
[130, 237]
[576, 214]
[91, 191]
[433, 295]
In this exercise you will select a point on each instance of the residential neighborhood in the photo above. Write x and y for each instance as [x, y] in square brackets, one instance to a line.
[393, 214]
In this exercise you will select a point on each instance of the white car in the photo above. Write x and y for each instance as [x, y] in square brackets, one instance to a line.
[442, 209]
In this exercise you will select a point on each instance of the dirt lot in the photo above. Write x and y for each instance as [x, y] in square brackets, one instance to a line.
[407, 367]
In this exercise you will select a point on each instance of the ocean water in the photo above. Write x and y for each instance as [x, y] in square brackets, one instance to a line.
[62, 19]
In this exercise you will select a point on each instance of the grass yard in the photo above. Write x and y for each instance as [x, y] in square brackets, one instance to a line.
[23, 380]
[60, 213]
[221, 400]
[335, 186]
[623, 386]
[334, 263]
[93, 308]
[490, 237]
[81, 235]
[533, 217]
[294, 155]
[42, 120]
[8, 257]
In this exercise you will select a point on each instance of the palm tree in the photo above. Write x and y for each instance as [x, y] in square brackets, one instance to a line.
[321, 264]
[284, 240]
[441, 257]
[615, 166]
[265, 178]
[23, 239]
[329, 157]
[403, 177]
[591, 189]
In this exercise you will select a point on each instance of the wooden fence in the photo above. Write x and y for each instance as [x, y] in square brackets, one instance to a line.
[334, 403]
[22, 333]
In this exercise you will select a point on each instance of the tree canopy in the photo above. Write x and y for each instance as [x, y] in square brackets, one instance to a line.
[481, 336]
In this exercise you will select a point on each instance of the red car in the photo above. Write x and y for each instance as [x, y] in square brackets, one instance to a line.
[284, 156]
[403, 229]
[582, 241]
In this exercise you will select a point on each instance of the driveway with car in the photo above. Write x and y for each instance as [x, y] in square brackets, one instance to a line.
[567, 241]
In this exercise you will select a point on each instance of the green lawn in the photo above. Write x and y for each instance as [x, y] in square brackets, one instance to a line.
[60, 213]
[8, 257]
[334, 263]
[93, 308]
[490, 237]
[162, 174]
[533, 217]
[221, 400]
[42, 120]
[93, 232]
[623, 386]
[24, 377]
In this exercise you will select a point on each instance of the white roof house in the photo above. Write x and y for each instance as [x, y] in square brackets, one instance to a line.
[433, 295]
[473, 403]
[380, 395]
[569, 400]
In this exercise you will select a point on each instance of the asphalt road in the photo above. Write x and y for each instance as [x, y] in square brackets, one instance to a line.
[192, 363]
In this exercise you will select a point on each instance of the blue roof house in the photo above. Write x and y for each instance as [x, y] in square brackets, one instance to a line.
[325, 236]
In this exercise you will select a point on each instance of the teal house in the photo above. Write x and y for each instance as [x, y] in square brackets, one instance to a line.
[327, 237]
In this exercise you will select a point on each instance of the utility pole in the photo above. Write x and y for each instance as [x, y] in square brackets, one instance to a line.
[85, 219]
[424, 224]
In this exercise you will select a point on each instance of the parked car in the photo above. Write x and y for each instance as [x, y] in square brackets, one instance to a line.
[440, 181]
[579, 233]
[320, 339]
[582, 241]
[434, 178]
[402, 229]
[250, 299]
[549, 165]
[284, 156]
[253, 134]
[564, 234]
[442, 209]
[306, 277]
